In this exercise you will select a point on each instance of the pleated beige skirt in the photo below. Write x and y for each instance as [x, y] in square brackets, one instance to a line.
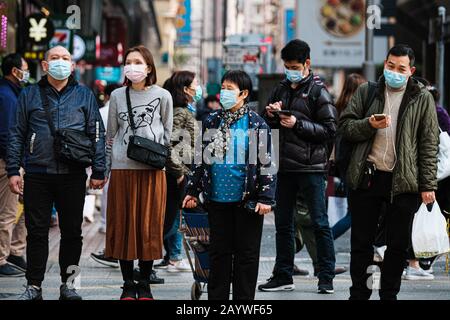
[135, 214]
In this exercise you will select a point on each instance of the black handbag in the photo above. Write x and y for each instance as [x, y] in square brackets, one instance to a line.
[144, 150]
[72, 147]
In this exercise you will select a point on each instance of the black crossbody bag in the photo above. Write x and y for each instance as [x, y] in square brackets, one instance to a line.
[72, 147]
[144, 150]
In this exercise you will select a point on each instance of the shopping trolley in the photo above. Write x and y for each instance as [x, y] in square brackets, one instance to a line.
[195, 232]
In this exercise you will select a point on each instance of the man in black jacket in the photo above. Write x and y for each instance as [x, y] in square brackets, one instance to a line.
[49, 181]
[307, 125]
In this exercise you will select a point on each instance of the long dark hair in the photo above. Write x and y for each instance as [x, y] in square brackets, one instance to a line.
[352, 83]
[176, 84]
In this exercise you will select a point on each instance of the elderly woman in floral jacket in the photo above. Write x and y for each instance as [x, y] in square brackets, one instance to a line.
[238, 192]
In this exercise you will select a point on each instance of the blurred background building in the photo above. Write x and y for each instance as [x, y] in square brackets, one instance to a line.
[212, 36]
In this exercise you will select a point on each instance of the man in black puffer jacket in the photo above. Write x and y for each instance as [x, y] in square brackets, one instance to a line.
[307, 129]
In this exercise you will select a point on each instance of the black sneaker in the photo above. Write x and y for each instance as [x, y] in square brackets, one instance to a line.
[274, 284]
[154, 279]
[67, 294]
[129, 292]
[8, 270]
[163, 264]
[100, 258]
[17, 262]
[144, 292]
[299, 272]
[325, 287]
[31, 293]
[427, 263]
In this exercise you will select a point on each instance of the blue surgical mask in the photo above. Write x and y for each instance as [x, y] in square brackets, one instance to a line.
[395, 80]
[228, 98]
[294, 76]
[60, 69]
[198, 94]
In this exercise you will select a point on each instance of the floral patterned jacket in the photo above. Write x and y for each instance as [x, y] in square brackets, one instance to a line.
[258, 187]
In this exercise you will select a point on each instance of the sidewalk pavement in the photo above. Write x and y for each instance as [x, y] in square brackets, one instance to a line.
[103, 283]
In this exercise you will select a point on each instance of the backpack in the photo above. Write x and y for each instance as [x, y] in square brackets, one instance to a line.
[343, 147]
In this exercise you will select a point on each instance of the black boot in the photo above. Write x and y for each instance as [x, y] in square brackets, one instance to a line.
[129, 291]
[144, 291]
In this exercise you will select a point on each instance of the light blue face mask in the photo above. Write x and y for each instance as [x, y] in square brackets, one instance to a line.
[198, 94]
[394, 79]
[228, 98]
[294, 76]
[60, 69]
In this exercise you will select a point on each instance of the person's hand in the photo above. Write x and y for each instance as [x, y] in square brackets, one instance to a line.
[16, 185]
[180, 180]
[190, 202]
[288, 121]
[428, 197]
[97, 184]
[262, 209]
[272, 107]
[382, 124]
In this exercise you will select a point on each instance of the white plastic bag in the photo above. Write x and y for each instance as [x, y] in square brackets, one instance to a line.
[429, 234]
[443, 156]
[337, 209]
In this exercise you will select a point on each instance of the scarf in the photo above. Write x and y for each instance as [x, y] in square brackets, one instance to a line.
[222, 139]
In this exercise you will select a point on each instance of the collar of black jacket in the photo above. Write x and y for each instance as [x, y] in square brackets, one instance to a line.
[44, 83]
[302, 84]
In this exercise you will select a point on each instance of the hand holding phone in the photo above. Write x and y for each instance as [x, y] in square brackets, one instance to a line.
[286, 113]
[379, 117]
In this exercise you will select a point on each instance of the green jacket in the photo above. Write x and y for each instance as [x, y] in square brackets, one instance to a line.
[417, 140]
[184, 126]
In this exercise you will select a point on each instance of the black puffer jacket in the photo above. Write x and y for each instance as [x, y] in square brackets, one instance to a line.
[307, 146]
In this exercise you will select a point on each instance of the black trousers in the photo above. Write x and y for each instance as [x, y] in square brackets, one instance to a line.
[366, 207]
[67, 193]
[235, 240]
[175, 194]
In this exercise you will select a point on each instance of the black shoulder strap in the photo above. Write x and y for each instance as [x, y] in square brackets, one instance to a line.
[371, 93]
[46, 106]
[130, 111]
[315, 91]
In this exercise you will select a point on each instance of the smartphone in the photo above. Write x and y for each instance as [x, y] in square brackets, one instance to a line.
[379, 117]
[286, 113]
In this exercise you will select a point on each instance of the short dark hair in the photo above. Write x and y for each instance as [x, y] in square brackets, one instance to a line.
[211, 98]
[175, 85]
[401, 50]
[241, 79]
[296, 50]
[11, 61]
[149, 60]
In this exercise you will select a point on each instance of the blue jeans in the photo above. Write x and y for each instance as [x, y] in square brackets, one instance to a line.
[342, 225]
[172, 242]
[312, 185]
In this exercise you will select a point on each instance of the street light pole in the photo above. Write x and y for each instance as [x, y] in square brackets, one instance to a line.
[369, 64]
[440, 55]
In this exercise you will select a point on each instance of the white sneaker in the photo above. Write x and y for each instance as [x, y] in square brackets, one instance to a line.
[179, 266]
[417, 274]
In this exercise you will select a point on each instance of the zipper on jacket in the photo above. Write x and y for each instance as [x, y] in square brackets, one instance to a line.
[397, 144]
[97, 131]
[58, 96]
[33, 138]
